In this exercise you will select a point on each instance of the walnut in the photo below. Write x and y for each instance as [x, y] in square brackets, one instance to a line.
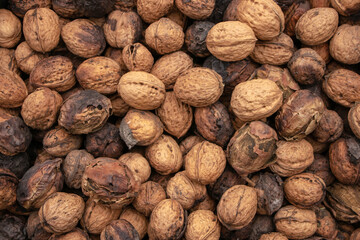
[195, 38]
[326, 223]
[20, 7]
[76, 233]
[354, 120]
[138, 220]
[94, 8]
[34, 229]
[198, 9]
[319, 3]
[152, 10]
[138, 165]
[345, 7]
[261, 225]
[187, 144]
[8, 185]
[8, 60]
[329, 128]
[125, 5]
[321, 168]
[17, 164]
[116, 54]
[231, 41]
[355, 234]
[26, 57]
[237, 207]
[137, 57]
[67, 8]
[273, 236]
[207, 204]
[10, 30]
[13, 90]
[164, 36]
[12, 226]
[119, 106]
[292, 15]
[318, 147]
[323, 50]
[177, 16]
[202, 224]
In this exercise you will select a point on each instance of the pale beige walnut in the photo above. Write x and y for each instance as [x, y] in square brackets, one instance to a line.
[231, 41]
[256, 99]
[273, 236]
[138, 220]
[295, 223]
[354, 119]
[164, 155]
[116, 54]
[345, 45]
[119, 106]
[292, 157]
[170, 66]
[99, 73]
[10, 29]
[237, 207]
[277, 51]
[138, 164]
[203, 224]
[8, 60]
[346, 7]
[164, 36]
[205, 162]
[13, 90]
[141, 90]
[176, 116]
[152, 10]
[137, 57]
[40, 108]
[41, 29]
[198, 80]
[196, 9]
[27, 58]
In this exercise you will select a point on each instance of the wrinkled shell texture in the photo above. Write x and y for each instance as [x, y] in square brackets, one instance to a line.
[119, 229]
[10, 29]
[76, 233]
[152, 10]
[292, 15]
[321, 168]
[26, 57]
[13, 90]
[137, 57]
[138, 164]
[150, 194]
[8, 184]
[59, 142]
[273, 236]
[202, 224]
[196, 9]
[119, 106]
[345, 7]
[354, 120]
[329, 128]
[195, 38]
[138, 220]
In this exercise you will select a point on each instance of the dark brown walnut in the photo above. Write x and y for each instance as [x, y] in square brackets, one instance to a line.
[190, 141]
[74, 166]
[8, 60]
[34, 229]
[39, 182]
[20, 7]
[273, 236]
[96, 216]
[119, 106]
[138, 220]
[84, 112]
[329, 128]
[8, 185]
[42, 156]
[99, 73]
[241, 234]
[152, 10]
[326, 223]
[72, 91]
[213, 123]
[195, 38]
[110, 182]
[138, 164]
[125, 5]
[354, 120]
[198, 9]
[119, 230]
[10, 30]
[83, 38]
[293, 13]
[167, 221]
[321, 168]
[26, 57]
[270, 193]
[344, 156]
[319, 3]
[17, 164]
[59, 142]
[299, 115]
[137, 57]
[122, 28]
[252, 148]
[202, 224]
[260, 225]
[56, 72]
[219, 10]
[76, 233]
[13, 90]
[115, 54]
[307, 66]
[140, 128]
[66, 8]
[95, 9]
[150, 194]
[12, 227]
[345, 7]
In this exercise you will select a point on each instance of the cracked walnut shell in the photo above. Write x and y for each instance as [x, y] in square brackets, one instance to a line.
[59, 142]
[26, 57]
[137, 57]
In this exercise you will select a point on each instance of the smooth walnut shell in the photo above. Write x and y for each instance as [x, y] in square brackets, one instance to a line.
[17, 164]
[169, 67]
[273, 236]
[20, 7]
[329, 128]
[8, 60]
[190, 141]
[76, 233]
[345, 7]
[195, 38]
[141, 90]
[202, 224]
[138, 220]
[231, 41]
[252, 148]
[321, 168]
[34, 229]
[164, 36]
[119, 106]
[138, 165]
[326, 223]
[354, 120]
[13, 90]
[122, 28]
[12, 226]
[237, 207]
[196, 9]
[83, 38]
[205, 162]
[152, 10]
[293, 13]
[8, 185]
[137, 57]
[26, 57]
[10, 30]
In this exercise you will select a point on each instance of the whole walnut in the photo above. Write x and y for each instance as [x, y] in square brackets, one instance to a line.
[164, 36]
[252, 148]
[12, 227]
[207, 204]
[10, 29]
[195, 38]
[321, 168]
[152, 10]
[13, 90]
[26, 57]
[76, 233]
[202, 224]
[237, 207]
[122, 28]
[295, 223]
[83, 38]
[354, 120]
[273, 236]
[198, 9]
[345, 7]
[59, 142]
[18, 164]
[167, 220]
[323, 50]
[119, 106]
[319, 3]
[8, 60]
[8, 185]
[329, 128]
[138, 164]
[20, 7]
[66, 8]
[137, 57]
[231, 41]
[34, 229]
[116, 54]
[205, 162]
[187, 144]
[293, 13]
[326, 223]
[177, 16]
[195, 80]
[138, 220]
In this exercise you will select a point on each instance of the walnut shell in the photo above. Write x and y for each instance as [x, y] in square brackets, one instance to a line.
[323, 50]
[12, 226]
[8, 60]
[164, 36]
[119, 106]
[152, 10]
[141, 90]
[345, 7]
[195, 80]
[17, 164]
[321, 168]
[292, 15]
[94, 8]
[76, 233]
[273, 236]
[329, 128]
[125, 5]
[198, 9]
[116, 54]
[138, 165]
[20, 7]
[195, 38]
[170, 66]
[13, 90]
[202, 224]
[295, 223]
[231, 41]
[138, 220]
[26, 57]
[237, 207]
[8, 185]
[34, 229]
[137, 57]
[205, 162]
[66, 8]
[354, 120]
[10, 30]
[122, 28]
[83, 38]
[326, 223]
[177, 16]
[207, 204]
[190, 141]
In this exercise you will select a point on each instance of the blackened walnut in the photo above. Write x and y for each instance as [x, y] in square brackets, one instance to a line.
[195, 38]
[321, 167]
[12, 227]
[66, 8]
[119, 230]
[94, 8]
[261, 225]
[18, 164]
[8, 185]
[219, 10]
[329, 128]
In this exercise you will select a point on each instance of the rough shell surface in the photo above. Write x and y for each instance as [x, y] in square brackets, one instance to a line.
[13, 90]
[203, 224]
[10, 30]
[152, 10]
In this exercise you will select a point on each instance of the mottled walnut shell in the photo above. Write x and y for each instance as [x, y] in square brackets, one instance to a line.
[41, 29]
[76, 233]
[119, 106]
[116, 54]
[190, 141]
[252, 148]
[140, 128]
[122, 28]
[295, 223]
[195, 80]
[10, 29]
[138, 165]
[66, 8]
[261, 225]
[167, 221]
[195, 38]
[205, 162]
[138, 220]
[83, 38]
[354, 120]
[20, 7]
[292, 157]
[141, 90]
[326, 223]
[39, 182]
[323, 50]
[299, 115]
[202, 224]
[321, 168]
[96, 216]
[164, 36]
[219, 10]
[344, 46]
[231, 41]
[8, 60]
[152, 10]
[99, 73]
[256, 99]
[293, 13]
[329, 128]
[237, 207]
[84, 112]
[12, 226]
[345, 7]
[169, 67]
[110, 182]
[137, 57]
[13, 90]
[8, 185]
[26, 57]
[56, 72]
[17, 164]
[34, 229]
[273, 236]
[196, 9]
[319, 3]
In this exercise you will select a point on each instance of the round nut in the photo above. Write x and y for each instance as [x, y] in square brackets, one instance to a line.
[292, 15]
[59, 142]
[137, 57]
[152, 10]
[34, 229]
[345, 7]
[13, 90]
[354, 120]
[10, 29]
[195, 38]
[27, 58]
[8, 185]
[138, 165]
[119, 229]
[76, 233]
[329, 128]
[138, 220]
[196, 9]
[202, 224]
[273, 236]
[321, 168]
